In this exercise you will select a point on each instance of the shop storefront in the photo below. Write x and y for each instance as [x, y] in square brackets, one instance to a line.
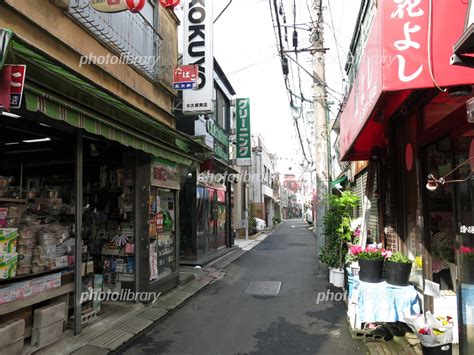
[206, 229]
[408, 118]
[89, 193]
[205, 219]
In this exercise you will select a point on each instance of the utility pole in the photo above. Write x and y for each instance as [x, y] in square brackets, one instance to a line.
[320, 123]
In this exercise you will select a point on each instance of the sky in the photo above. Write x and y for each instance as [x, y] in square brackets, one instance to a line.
[245, 46]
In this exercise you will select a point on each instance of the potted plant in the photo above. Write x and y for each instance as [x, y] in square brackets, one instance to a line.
[371, 263]
[397, 269]
[337, 232]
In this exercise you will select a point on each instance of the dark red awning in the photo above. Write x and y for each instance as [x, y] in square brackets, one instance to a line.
[397, 59]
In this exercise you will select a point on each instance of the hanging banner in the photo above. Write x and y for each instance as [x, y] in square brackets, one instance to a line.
[197, 24]
[244, 143]
[117, 5]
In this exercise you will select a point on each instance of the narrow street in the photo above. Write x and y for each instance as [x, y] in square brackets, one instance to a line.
[229, 318]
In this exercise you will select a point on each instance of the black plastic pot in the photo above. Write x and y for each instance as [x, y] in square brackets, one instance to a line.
[445, 349]
[397, 273]
[370, 270]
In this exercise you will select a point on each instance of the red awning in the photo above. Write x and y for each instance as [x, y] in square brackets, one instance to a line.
[395, 62]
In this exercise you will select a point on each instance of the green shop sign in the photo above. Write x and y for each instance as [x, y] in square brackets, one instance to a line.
[217, 132]
[244, 144]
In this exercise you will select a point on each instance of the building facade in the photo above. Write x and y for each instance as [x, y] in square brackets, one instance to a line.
[206, 197]
[405, 113]
[92, 159]
[261, 185]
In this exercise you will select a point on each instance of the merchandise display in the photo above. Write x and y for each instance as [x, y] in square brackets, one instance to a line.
[162, 233]
[36, 233]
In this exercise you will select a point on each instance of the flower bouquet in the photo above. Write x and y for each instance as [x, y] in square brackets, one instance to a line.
[432, 331]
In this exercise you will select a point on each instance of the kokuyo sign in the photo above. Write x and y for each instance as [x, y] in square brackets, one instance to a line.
[198, 50]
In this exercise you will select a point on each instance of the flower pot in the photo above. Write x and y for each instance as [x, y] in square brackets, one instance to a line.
[370, 270]
[397, 274]
[331, 275]
[444, 349]
[338, 277]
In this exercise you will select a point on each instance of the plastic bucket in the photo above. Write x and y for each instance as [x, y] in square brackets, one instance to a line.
[444, 349]
[370, 270]
[397, 273]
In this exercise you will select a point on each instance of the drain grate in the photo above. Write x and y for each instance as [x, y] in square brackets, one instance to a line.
[264, 288]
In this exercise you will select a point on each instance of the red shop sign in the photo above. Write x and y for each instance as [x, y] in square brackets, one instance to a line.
[17, 84]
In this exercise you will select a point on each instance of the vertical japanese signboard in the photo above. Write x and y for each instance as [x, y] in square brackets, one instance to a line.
[244, 144]
[16, 84]
[185, 77]
[198, 50]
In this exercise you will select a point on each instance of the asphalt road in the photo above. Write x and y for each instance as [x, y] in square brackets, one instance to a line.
[225, 318]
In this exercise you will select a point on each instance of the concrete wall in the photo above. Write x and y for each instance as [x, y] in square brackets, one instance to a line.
[47, 27]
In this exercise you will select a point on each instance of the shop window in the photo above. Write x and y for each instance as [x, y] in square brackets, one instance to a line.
[464, 229]
[440, 215]
[221, 218]
[162, 233]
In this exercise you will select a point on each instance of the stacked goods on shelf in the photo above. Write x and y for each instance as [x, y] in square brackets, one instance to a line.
[20, 290]
[8, 252]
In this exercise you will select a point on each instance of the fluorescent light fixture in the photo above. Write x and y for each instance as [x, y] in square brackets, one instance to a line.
[8, 114]
[44, 124]
[37, 140]
[12, 143]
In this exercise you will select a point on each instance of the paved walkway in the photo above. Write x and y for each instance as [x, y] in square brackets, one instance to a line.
[265, 304]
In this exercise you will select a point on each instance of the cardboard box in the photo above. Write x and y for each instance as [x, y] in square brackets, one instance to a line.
[8, 264]
[58, 262]
[8, 240]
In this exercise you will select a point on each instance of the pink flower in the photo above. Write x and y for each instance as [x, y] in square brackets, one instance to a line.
[355, 249]
[466, 250]
[386, 253]
[371, 250]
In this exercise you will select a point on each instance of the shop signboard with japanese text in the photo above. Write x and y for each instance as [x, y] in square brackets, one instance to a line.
[185, 77]
[408, 47]
[17, 84]
[244, 142]
[165, 174]
[198, 50]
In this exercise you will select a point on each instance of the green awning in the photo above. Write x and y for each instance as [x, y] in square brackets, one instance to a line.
[121, 123]
[54, 107]
[338, 181]
[5, 36]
